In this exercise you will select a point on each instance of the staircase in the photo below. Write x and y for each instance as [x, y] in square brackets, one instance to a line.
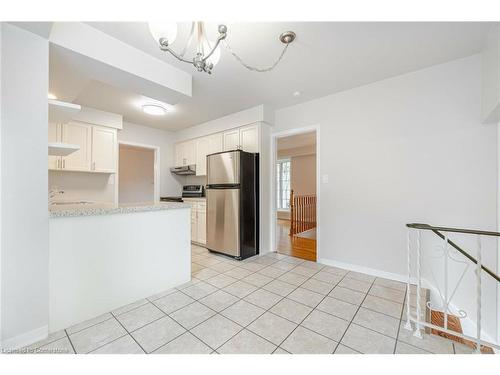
[442, 316]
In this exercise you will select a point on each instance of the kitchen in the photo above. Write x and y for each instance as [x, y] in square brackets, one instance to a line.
[84, 186]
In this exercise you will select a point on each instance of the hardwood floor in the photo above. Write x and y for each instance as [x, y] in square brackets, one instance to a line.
[302, 245]
[437, 318]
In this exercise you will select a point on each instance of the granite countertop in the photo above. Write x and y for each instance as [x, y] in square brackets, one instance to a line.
[95, 209]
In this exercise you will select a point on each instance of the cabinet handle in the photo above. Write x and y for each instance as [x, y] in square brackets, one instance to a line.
[64, 163]
[93, 166]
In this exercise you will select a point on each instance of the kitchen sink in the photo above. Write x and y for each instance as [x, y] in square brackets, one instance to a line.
[69, 202]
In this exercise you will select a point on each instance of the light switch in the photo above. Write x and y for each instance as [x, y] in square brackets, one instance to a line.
[324, 178]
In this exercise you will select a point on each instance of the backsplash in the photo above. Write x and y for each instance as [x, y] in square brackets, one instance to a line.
[96, 187]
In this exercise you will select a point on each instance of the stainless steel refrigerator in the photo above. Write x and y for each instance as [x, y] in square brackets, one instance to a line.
[233, 203]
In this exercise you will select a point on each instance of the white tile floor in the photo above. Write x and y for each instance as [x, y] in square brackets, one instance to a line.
[266, 304]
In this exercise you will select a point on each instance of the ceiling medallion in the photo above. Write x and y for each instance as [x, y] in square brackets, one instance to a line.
[207, 53]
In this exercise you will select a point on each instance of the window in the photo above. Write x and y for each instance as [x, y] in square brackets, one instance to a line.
[283, 169]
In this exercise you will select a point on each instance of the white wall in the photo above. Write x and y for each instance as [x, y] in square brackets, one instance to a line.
[169, 184]
[24, 223]
[303, 178]
[407, 149]
[490, 58]
[136, 175]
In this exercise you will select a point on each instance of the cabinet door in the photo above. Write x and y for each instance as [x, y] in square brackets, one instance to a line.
[232, 140]
[103, 149]
[179, 154]
[79, 134]
[190, 152]
[249, 138]
[194, 223]
[215, 143]
[202, 147]
[202, 224]
[54, 136]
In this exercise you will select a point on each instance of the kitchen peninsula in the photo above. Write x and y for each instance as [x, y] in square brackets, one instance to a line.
[103, 256]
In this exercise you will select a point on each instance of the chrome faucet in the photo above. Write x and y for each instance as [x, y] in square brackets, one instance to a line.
[53, 193]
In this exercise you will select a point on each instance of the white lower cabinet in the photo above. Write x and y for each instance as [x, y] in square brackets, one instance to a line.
[201, 229]
[198, 220]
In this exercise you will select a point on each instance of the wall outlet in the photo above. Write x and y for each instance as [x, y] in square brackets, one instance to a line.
[324, 178]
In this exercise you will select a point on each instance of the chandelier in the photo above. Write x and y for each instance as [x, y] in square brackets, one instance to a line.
[207, 53]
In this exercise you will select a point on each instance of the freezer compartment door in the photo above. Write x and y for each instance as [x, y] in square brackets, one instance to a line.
[223, 168]
[223, 224]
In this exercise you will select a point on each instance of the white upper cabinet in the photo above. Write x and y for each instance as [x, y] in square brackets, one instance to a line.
[54, 136]
[215, 143]
[195, 151]
[185, 153]
[232, 140]
[103, 149]
[245, 138]
[249, 138]
[97, 152]
[202, 150]
[179, 155]
[80, 134]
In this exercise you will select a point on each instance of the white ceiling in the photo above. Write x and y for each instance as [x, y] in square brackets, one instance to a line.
[297, 140]
[327, 57]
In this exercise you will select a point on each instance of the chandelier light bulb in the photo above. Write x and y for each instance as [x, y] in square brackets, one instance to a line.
[166, 30]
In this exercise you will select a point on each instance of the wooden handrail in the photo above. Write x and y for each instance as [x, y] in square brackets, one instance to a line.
[302, 213]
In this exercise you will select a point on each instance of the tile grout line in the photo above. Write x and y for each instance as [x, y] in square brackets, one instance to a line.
[126, 330]
[356, 313]
[399, 325]
[70, 342]
[261, 287]
[297, 287]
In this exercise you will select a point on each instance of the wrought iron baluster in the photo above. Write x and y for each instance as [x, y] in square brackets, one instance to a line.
[418, 332]
[408, 292]
[478, 286]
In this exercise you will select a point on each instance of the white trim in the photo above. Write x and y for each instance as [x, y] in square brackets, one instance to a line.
[273, 159]
[156, 167]
[369, 271]
[26, 338]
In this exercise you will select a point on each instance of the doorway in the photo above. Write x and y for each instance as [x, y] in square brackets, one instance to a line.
[137, 173]
[295, 191]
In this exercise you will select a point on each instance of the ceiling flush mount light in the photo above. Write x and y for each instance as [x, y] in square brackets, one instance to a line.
[154, 109]
[51, 96]
[207, 53]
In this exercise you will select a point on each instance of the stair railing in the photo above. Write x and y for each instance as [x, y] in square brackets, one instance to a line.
[302, 212]
[446, 297]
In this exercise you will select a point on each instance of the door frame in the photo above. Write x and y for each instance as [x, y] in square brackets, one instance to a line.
[156, 166]
[274, 159]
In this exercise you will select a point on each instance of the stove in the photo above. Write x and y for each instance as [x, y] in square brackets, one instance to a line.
[188, 191]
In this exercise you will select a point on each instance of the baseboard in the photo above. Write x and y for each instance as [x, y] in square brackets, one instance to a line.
[25, 339]
[367, 270]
